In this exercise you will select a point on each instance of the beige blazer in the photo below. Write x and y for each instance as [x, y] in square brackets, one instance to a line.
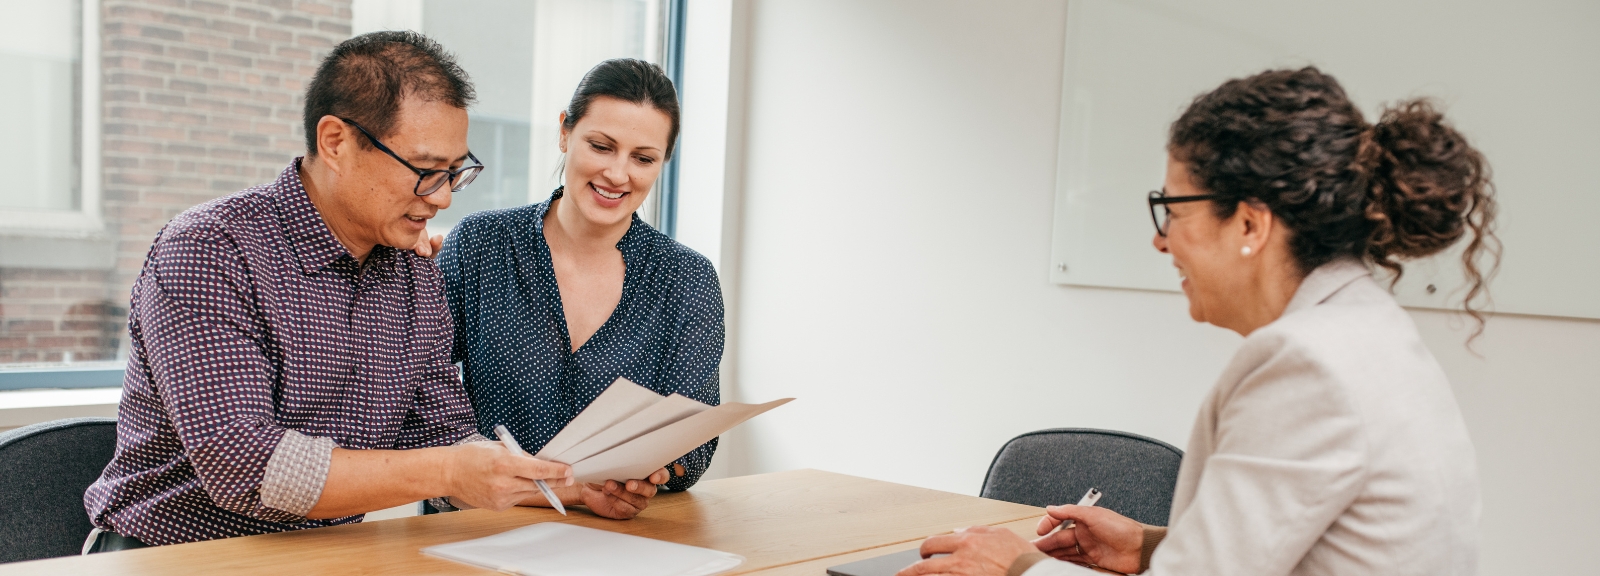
[1332, 444]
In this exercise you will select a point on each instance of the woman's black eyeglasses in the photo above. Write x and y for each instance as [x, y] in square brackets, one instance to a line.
[1158, 207]
[429, 181]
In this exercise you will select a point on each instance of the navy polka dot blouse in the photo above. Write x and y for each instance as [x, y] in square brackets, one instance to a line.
[666, 333]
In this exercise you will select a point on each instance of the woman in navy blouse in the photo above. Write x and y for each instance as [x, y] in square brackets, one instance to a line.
[554, 301]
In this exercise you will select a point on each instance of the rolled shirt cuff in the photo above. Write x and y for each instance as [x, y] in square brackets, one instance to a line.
[1152, 538]
[296, 473]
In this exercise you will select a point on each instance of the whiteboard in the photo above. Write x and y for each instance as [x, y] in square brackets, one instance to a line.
[1521, 80]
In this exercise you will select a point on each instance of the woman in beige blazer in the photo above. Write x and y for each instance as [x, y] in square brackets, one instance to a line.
[1332, 444]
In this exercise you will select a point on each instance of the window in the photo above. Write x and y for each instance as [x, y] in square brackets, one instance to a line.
[51, 308]
[41, 117]
[120, 116]
[525, 58]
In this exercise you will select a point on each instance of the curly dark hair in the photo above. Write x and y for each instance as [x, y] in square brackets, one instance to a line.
[366, 78]
[1407, 187]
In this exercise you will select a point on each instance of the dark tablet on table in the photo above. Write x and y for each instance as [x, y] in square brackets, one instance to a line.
[885, 565]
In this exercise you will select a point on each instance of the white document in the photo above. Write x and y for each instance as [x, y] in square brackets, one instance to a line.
[557, 549]
[613, 405]
[648, 453]
[629, 432]
[670, 409]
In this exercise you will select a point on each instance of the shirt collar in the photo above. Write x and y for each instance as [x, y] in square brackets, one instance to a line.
[1325, 281]
[633, 238]
[308, 235]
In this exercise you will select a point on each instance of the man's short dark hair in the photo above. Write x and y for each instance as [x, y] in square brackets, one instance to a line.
[366, 77]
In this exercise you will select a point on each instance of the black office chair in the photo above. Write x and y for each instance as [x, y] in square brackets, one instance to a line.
[1136, 475]
[44, 470]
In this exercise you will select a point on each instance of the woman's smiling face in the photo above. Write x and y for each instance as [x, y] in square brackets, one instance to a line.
[614, 154]
[1202, 249]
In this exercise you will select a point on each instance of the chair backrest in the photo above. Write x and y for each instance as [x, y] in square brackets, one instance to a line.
[44, 470]
[1135, 475]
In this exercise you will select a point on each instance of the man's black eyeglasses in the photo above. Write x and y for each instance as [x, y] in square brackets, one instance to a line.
[429, 181]
[1158, 207]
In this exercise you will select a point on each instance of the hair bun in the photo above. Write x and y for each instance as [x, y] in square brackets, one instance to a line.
[1427, 185]
[1427, 188]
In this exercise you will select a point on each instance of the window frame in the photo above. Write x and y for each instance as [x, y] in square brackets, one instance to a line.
[672, 62]
[88, 218]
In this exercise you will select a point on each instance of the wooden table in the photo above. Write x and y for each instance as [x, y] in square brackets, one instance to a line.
[796, 522]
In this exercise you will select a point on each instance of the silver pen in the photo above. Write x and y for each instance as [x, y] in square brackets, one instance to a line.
[1089, 498]
[511, 444]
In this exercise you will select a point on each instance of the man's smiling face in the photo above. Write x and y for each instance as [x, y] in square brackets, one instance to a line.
[380, 193]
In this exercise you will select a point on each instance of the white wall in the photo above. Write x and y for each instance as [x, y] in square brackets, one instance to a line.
[898, 167]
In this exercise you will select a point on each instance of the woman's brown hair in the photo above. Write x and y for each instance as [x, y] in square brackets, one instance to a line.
[629, 80]
[1407, 187]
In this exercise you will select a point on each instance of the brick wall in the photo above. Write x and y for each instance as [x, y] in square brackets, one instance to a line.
[57, 315]
[200, 98]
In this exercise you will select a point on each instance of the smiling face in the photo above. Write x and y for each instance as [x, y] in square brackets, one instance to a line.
[378, 202]
[1204, 248]
[614, 154]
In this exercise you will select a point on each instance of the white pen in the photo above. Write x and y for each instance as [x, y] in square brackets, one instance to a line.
[511, 444]
[1088, 499]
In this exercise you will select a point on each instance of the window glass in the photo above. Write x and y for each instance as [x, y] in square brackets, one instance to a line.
[39, 60]
[525, 58]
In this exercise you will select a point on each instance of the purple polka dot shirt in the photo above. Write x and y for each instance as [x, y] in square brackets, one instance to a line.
[258, 345]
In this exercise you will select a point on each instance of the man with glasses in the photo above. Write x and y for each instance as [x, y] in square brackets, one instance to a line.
[290, 362]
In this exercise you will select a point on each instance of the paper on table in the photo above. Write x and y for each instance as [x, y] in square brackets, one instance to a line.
[619, 401]
[557, 549]
[641, 456]
[671, 409]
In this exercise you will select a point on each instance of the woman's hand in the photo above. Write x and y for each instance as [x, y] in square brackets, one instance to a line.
[975, 551]
[1101, 537]
[614, 499]
[622, 500]
[428, 246]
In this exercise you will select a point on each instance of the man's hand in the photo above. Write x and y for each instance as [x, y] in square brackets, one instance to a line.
[428, 246]
[614, 499]
[487, 475]
[975, 551]
[1100, 537]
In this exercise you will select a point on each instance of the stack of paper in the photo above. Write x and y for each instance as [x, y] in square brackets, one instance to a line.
[630, 432]
[556, 549]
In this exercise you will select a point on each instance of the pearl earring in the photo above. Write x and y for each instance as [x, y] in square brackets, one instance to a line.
[1245, 250]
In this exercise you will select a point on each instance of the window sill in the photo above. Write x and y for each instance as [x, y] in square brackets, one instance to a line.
[20, 249]
[73, 223]
[48, 377]
[24, 407]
